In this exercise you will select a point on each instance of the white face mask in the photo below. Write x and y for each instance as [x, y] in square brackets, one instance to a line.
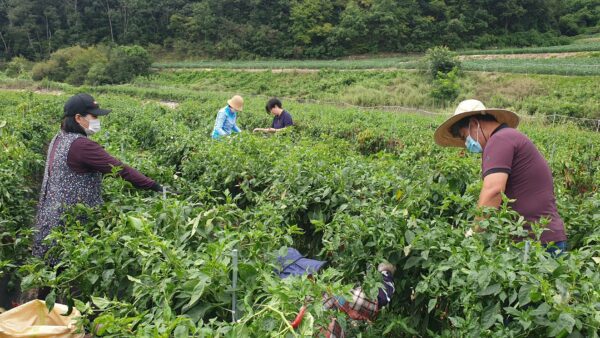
[93, 127]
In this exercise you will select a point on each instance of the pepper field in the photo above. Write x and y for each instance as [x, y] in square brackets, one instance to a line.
[348, 186]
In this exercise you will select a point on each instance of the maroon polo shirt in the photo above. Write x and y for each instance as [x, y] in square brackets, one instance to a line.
[87, 156]
[529, 182]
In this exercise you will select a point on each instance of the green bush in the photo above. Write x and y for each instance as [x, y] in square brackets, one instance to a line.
[97, 74]
[18, 67]
[50, 69]
[81, 63]
[126, 62]
[57, 67]
[445, 86]
[441, 60]
[94, 65]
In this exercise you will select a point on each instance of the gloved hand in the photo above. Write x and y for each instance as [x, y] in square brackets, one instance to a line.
[172, 191]
[469, 233]
[164, 189]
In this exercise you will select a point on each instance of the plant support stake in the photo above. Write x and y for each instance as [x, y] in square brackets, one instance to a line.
[234, 254]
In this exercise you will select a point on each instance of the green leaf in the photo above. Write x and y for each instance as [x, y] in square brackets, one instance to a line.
[431, 305]
[513, 297]
[50, 300]
[412, 261]
[135, 222]
[133, 279]
[101, 303]
[108, 274]
[197, 293]
[457, 321]
[198, 311]
[490, 290]
[541, 310]
[181, 331]
[308, 325]
[401, 324]
[484, 278]
[524, 295]
[488, 317]
[93, 278]
[566, 321]
[409, 236]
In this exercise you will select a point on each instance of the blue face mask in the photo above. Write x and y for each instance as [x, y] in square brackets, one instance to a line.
[473, 146]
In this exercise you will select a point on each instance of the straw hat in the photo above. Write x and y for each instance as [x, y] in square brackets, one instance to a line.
[443, 135]
[237, 102]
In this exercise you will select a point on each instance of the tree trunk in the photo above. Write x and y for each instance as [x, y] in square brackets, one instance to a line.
[29, 39]
[6, 51]
[48, 34]
[112, 37]
[125, 22]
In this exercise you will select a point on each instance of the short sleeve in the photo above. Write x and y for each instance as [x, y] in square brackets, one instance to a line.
[287, 121]
[498, 154]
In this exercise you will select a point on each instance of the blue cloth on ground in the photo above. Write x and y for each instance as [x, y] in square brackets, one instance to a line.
[294, 264]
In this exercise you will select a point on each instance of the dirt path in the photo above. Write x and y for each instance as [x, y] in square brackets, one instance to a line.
[168, 104]
[164, 103]
[37, 91]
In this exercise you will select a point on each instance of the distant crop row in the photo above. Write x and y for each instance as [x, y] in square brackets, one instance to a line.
[560, 66]
[578, 47]
[404, 62]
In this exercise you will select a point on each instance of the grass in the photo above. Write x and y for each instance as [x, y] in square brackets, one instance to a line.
[575, 96]
[403, 62]
[560, 66]
[575, 47]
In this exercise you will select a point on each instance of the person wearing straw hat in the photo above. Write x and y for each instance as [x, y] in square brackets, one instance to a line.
[227, 118]
[511, 164]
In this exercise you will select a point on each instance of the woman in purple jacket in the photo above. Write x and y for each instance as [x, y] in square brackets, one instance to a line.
[74, 169]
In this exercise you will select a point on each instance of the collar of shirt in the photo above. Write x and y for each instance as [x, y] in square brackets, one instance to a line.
[229, 112]
[500, 127]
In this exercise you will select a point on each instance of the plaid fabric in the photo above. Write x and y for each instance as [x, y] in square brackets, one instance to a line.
[360, 308]
[334, 330]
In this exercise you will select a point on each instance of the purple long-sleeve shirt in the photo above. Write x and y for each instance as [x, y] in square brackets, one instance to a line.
[87, 156]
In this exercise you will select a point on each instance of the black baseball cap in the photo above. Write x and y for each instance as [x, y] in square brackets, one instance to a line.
[83, 103]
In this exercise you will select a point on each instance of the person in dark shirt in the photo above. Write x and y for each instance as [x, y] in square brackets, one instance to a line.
[281, 118]
[511, 164]
[74, 169]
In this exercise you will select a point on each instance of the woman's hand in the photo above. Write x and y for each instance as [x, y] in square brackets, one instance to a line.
[266, 130]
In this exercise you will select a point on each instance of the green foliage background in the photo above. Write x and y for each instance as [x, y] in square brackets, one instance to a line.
[92, 65]
[233, 29]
